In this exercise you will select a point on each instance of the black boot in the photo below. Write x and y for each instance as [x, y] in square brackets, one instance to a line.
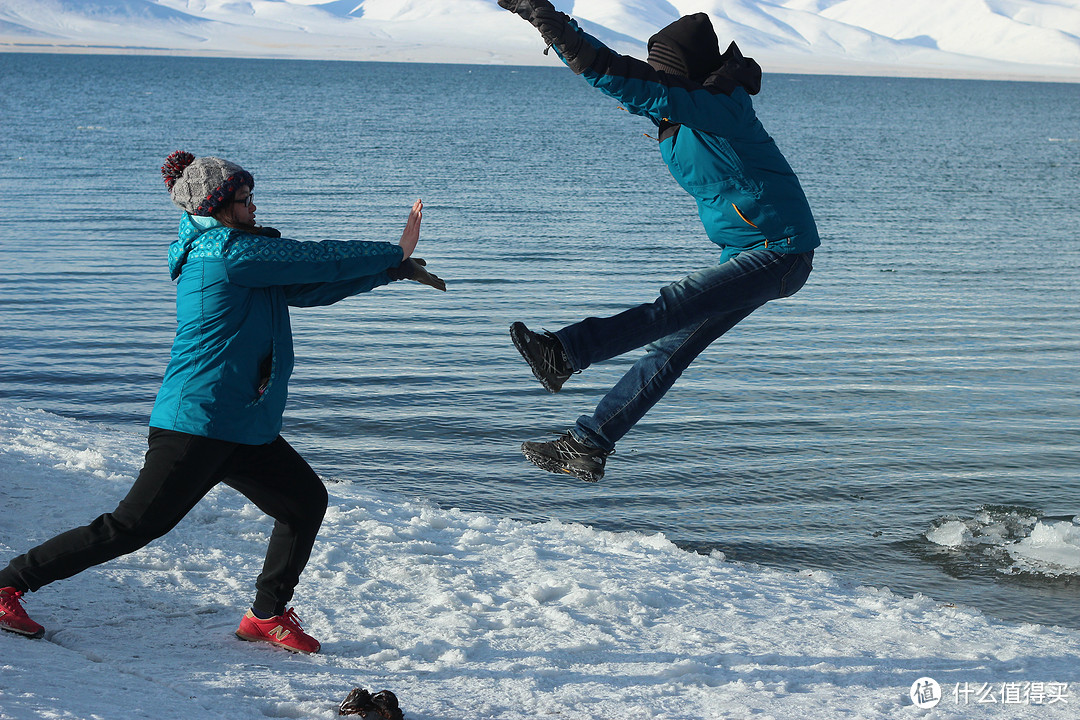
[567, 455]
[545, 356]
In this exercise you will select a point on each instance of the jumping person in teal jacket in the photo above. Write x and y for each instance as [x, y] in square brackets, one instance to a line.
[217, 418]
[748, 199]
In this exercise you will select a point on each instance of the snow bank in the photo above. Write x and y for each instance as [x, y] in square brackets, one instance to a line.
[466, 615]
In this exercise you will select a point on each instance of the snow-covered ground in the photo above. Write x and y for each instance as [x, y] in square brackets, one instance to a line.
[468, 616]
[954, 38]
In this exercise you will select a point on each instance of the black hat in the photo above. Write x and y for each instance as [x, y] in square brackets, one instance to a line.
[686, 47]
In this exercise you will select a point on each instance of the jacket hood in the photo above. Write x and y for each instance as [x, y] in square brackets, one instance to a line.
[686, 47]
[743, 71]
[191, 228]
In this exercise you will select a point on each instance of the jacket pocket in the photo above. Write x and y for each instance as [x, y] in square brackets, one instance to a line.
[267, 367]
[744, 218]
[797, 274]
[712, 166]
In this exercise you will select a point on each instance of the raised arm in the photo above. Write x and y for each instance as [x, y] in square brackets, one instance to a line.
[643, 90]
[254, 261]
[259, 261]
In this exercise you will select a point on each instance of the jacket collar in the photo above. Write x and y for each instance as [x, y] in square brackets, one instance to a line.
[191, 227]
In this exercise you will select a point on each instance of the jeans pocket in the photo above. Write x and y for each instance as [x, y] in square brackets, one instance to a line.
[796, 274]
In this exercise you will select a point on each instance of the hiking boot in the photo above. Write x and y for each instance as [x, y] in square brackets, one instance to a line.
[545, 356]
[281, 630]
[383, 704]
[12, 616]
[567, 454]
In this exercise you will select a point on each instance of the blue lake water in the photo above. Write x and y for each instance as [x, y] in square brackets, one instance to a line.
[927, 370]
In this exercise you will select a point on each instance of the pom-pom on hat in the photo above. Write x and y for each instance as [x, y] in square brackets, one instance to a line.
[201, 186]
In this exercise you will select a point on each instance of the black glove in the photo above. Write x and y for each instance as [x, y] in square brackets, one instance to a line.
[414, 269]
[557, 32]
[525, 8]
[555, 28]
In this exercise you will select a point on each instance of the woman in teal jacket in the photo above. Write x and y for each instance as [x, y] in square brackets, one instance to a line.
[217, 417]
[748, 198]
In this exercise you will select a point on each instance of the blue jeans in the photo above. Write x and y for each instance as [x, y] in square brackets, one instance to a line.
[687, 317]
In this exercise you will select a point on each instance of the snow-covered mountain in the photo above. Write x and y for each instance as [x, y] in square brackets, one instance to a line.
[990, 38]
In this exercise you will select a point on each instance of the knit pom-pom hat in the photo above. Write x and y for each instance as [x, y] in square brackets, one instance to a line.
[201, 186]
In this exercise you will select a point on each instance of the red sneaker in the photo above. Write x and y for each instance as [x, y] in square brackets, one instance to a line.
[12, 616]
[281, 630]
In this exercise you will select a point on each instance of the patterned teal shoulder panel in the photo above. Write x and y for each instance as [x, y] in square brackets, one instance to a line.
[195, 245]
[210, 244]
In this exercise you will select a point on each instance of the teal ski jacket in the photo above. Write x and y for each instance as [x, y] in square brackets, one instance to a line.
[716, 149]
[232, 357]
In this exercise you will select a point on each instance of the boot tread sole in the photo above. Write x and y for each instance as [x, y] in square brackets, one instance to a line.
[554, 465]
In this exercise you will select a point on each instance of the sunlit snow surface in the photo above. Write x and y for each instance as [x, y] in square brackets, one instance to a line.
[950, 38]
[468, 616]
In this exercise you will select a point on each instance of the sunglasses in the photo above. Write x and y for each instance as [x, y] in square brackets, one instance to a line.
[246, 202]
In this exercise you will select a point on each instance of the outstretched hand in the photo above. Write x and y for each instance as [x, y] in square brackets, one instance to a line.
[420, 274]
[413, 269]
[411, 235]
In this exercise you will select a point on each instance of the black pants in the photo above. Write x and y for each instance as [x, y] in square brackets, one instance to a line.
[180, 469]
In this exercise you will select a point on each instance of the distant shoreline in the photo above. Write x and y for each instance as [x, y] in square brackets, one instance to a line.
[774, 64]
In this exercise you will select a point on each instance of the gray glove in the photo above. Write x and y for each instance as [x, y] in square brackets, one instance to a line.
[414, 269]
